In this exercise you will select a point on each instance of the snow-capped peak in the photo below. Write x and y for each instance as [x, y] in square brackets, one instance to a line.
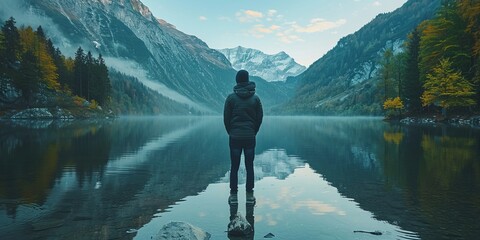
[276, 67]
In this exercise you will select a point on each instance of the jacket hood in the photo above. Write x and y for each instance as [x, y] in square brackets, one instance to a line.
[244, 89]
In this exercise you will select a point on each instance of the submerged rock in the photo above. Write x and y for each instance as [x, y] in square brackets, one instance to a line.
[239, 226]
[181, 231]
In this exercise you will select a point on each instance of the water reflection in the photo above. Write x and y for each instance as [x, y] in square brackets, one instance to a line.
[78, 177]
[249, 216]
[301, 206]
[437, 171]
[322, 177]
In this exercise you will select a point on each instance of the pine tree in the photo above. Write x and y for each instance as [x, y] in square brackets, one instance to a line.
[41, 34]
[411, 87]
[399, 64]
[470, 11]
[79, 69]
[447, 88]
[445, 36]
[37, 45]
[90, 65]
[104, 80]
[12, 41]
[386, 84]
[28, 79]
[2, 53]
[64, 74]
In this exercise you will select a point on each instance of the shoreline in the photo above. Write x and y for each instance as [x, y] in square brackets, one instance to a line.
[83, 113]
[56, 113]
[457, 120]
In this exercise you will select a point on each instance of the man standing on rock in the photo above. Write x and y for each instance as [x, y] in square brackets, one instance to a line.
[242, 116]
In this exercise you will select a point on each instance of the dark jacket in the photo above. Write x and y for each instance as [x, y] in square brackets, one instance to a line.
[243, 113]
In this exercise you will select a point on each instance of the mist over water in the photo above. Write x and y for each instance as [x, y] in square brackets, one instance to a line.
[316, 178]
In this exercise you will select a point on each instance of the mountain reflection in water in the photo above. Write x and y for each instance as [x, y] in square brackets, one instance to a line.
[316, 178]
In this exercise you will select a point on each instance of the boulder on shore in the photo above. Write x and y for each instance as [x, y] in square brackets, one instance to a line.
[181, 231]
[33, 113]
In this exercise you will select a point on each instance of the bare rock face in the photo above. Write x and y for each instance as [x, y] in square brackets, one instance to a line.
[239, 226]
[8, 93]
[181, 231]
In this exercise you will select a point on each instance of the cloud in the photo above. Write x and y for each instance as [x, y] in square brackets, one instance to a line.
[249, 16]
[134, 69]
[319, 25]
[202, 18]
[271, 12]
[274, 24]
[377, 3]
[260, 30]
[253, 14]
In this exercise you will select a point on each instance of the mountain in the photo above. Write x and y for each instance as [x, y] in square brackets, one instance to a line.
[343, 81]
[275, 67]
[134, 42]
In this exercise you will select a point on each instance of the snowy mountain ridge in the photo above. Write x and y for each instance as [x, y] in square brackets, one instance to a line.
[276, 67]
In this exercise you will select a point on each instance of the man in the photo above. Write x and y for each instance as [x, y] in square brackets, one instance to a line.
[242, 116]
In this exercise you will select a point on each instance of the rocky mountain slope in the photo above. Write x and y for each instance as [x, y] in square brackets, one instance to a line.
[133, 41]
[343, 81]
[275, 67]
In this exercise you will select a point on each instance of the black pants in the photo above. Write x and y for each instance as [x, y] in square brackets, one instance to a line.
[236, 148]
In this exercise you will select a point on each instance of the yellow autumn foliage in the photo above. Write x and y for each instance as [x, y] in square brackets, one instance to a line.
[393, 104]
[447, 88]
[30, 41]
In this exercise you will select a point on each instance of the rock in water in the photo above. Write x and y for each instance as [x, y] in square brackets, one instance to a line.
[269, 235]
[181, 231]
[239, 226]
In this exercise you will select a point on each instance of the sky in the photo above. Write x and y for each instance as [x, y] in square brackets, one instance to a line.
[304, 29]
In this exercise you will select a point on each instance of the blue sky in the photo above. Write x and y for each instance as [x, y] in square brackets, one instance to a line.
[304, 29]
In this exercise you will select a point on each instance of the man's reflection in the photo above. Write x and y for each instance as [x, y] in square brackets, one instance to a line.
[237, 230]
[250, 218]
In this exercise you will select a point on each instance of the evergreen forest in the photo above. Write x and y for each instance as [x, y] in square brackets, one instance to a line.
[41, 76]
[33, 65]
[438, 73]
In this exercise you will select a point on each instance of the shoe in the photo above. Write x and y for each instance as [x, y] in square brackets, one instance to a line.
[250, 198]
[233, 199]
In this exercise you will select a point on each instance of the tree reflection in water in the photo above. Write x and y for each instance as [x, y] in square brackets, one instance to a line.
[317, 176]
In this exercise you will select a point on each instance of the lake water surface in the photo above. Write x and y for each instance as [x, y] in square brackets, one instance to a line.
[316, 178]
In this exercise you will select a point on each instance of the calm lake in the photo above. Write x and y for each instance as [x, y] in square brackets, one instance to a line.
[316, 178]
